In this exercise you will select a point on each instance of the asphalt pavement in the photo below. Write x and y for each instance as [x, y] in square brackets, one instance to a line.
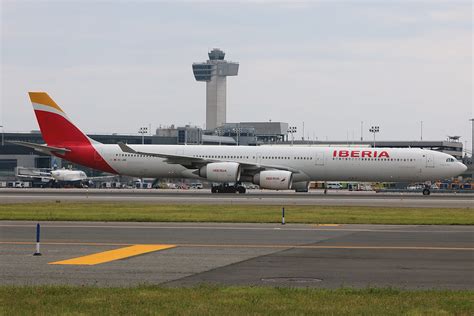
[254, 197]
[330, 256]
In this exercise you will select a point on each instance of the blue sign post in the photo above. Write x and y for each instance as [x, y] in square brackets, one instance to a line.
[37, 253]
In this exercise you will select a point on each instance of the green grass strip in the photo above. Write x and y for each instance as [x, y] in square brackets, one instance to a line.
[207, 300]
[133, 212]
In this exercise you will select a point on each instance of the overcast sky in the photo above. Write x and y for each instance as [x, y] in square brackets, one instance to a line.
[114, 66]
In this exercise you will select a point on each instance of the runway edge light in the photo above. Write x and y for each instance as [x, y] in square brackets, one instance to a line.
[37, 253]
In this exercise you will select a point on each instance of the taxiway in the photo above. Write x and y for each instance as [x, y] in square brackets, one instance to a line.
[416, 257]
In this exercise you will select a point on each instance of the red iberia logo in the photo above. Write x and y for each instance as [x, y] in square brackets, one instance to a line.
[360, 154]
[274, 179]
[219, 170]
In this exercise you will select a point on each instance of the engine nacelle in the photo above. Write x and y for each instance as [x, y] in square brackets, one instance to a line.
[274, 179]
[221, 172]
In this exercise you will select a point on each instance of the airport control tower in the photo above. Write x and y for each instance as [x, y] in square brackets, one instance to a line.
[214, 72]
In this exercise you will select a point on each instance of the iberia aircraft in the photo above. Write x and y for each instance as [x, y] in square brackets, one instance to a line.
[271, 167]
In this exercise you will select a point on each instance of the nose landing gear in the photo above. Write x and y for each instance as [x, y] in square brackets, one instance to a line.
[427, 189]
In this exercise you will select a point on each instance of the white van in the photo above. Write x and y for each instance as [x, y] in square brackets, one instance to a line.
[333, 185]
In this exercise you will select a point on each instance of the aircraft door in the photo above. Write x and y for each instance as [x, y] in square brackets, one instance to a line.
[430, 161]
[319, 158]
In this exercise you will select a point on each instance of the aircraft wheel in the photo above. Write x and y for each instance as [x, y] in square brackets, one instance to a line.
[426, 192]
[302, 190]
[241, 189]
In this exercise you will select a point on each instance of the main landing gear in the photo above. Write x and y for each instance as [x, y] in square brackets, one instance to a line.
[227, 188]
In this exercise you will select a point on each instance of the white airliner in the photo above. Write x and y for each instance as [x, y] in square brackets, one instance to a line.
[59, 177]
[67, 175]
[271, 167]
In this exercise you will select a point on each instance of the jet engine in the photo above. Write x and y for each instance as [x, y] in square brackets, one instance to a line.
[221, 171]
[274, 179]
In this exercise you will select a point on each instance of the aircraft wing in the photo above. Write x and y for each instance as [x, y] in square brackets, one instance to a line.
[41, 148]
[187, 161]
[33, 173]
[196, 163]
[46, 177]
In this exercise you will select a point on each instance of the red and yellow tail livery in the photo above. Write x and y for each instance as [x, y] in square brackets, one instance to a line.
[58, 131]
[55, 126]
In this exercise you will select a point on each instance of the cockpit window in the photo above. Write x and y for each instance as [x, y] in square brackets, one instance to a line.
[450, 160]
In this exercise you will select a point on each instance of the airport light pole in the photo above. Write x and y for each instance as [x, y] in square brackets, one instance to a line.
[239, 130]
[421, 131]
[219, 132]
[374, 130]
[143, 131]
[303, 131]
[292, 130]
[472, 138]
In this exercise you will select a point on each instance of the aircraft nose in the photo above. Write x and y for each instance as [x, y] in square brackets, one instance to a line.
[462, 167]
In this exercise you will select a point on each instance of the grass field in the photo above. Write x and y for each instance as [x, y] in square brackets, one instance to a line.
[133, 212]
[146, 300]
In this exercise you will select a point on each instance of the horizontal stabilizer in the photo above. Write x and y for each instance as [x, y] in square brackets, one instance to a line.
[41, 148]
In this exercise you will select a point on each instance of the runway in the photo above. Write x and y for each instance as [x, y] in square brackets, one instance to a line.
[255, 197]
[188, 254]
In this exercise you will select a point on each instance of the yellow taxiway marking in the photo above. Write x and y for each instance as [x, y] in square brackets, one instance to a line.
[282, 246]
[115, 254]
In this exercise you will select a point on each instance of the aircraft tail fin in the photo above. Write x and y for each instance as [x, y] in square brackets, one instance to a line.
[56, 128]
